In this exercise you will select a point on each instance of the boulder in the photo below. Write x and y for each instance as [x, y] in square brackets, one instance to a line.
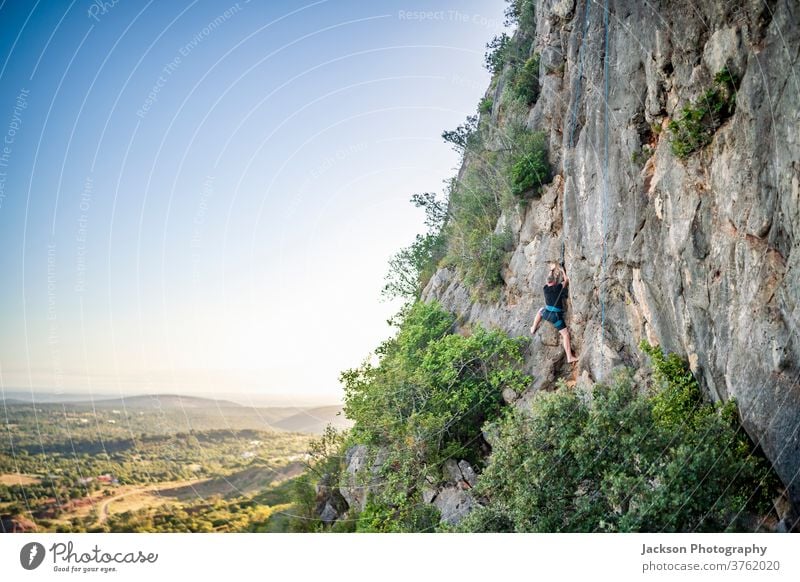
[453, 504]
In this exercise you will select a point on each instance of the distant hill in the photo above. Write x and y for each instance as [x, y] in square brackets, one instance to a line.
[14, 401]
[168, 413]
[26, 397]
[314, 420]
[161, 401]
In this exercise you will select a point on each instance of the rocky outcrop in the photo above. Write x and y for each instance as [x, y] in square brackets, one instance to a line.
[453, 504]
[453, 498]
[450, 494]
[330, 504]
[698, 255]
[361, 474]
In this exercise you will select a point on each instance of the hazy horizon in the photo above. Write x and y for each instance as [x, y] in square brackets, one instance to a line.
[276, 400]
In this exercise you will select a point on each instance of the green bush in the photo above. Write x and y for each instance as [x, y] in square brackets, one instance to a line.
[502, 49]
[497, 52]
[678, 399]
[425, 401]
[525, 83]
[431, 386]
[531, 168]
[412, 267]
[616, 463]
[694, 128]
[522, 13]
[465, 136]
[485, 105]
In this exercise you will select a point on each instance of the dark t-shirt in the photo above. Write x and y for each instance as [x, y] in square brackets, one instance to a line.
[554, 296]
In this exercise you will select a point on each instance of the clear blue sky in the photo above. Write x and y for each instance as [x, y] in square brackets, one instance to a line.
[202, 196]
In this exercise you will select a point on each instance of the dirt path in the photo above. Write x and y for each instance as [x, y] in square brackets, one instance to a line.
[103, 512]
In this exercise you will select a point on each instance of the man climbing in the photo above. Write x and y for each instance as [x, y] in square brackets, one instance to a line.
[553, 311]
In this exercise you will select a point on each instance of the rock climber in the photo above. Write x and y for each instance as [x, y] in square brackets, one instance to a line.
[553, 311]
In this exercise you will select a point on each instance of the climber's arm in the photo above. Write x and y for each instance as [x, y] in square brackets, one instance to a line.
[564, 277]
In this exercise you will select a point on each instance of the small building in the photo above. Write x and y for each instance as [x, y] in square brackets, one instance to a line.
[107, 479]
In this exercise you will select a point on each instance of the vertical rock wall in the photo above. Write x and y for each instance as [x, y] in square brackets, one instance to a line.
[701, 255]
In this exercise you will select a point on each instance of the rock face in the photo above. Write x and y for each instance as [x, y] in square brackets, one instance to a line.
[330, 505]
[698, 255]
[453, 504]
[361, 475]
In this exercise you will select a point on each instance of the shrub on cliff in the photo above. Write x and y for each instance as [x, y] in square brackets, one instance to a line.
[531, 167]
[525, 83]
[697, 122]
[425, 400]
[412, 267]
[620, 461]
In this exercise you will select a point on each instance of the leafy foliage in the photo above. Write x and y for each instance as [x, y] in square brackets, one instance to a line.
[521, 13]
[695, 126]
[497, 52]
[531, 168]
[425, 400]
[491, 183]
[464, 136]
[324, 467]
[622, 461]
[678, 399]
[485, 105]
[525, 83]
[412, 267]
[503, 49]
[473, 246]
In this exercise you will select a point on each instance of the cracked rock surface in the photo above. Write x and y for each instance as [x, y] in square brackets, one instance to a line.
[701, 254]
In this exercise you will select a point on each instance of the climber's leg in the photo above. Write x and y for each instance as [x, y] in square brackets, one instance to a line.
[567, 346]
[537, 321]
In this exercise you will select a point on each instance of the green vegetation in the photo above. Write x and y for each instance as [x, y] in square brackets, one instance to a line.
[505, 165]
[463, 230]
[525, 83]
[412, 267]
[464, 137]
[521, 13]
[473, 246]
[623, 460]
[83, 469]
[504, 50]
[324, 467]
[694, 128]
[425, 400]
[493, 182]
[497, 53]
[531, 168]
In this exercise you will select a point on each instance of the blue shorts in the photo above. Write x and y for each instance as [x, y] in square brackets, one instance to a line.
[554, 317]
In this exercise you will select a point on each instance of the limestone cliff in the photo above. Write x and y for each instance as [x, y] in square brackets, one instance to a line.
[699, 255]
